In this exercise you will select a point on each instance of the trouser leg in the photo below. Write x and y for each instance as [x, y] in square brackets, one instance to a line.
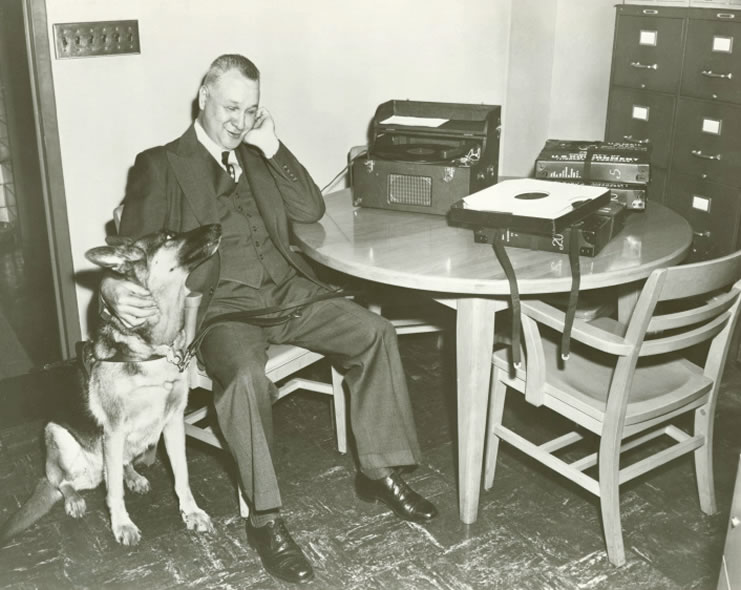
[235, 357]
[364, 346]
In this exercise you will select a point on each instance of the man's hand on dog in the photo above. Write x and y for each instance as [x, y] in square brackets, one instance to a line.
[131, 303]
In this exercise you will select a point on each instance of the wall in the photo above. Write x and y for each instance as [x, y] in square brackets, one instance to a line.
[558, 76]
[527, 108]
[326, 66]
[581, 69]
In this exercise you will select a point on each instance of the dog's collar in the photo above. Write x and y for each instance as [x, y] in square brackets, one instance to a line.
[176, 357]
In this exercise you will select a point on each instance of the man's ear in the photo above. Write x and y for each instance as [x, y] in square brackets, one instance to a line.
[116, 258]
[202, 96]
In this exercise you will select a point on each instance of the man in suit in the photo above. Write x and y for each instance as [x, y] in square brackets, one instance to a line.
[230, 168]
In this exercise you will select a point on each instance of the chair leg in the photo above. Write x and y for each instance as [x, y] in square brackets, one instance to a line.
[498, 392]
[339, 411]
[244, 509]
[609, 486]
[704, 461]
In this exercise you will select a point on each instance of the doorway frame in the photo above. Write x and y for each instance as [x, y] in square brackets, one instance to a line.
[52, 176]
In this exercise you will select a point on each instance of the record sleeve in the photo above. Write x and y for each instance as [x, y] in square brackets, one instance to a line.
[529, 205]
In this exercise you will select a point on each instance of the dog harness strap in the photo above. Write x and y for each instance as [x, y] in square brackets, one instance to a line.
[574, 294]
[254, 317]
[501, 253]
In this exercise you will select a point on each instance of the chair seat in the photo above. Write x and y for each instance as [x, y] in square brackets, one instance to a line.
[286, 359]
[583, 381]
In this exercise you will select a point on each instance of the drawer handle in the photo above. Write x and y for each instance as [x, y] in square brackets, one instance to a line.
[630, 138]
[701, 234]
[699, 154]
[639, 66]
[649, 11]
[725, 15]
[712, 74]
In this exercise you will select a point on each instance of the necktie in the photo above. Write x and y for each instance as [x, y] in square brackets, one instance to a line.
[229, 167]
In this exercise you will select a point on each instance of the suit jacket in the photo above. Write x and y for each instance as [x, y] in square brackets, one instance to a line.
[172, 187]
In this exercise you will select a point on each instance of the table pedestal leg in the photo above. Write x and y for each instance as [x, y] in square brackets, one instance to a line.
[475, 339]
[627, 298]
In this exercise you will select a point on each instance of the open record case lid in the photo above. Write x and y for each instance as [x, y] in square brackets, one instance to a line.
[529, 205]
[436, 118]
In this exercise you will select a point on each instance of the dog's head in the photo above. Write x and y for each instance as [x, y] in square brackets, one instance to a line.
[158, 260]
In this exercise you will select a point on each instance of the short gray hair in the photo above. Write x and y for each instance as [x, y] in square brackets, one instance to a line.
[228, 62]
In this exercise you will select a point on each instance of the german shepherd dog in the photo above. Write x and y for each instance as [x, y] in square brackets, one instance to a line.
[131, 392]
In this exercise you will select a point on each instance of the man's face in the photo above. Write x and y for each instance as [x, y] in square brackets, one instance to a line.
[228, 108]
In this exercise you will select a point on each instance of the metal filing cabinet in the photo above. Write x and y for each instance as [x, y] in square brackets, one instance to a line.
[730, 569]
[676, 85]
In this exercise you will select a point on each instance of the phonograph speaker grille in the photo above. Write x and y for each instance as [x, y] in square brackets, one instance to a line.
[405, 189]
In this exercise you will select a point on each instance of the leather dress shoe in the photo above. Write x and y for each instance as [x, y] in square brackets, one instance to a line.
[280, 554]
[393, 491]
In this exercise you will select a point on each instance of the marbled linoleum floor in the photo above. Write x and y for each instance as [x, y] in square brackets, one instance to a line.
[534, 531]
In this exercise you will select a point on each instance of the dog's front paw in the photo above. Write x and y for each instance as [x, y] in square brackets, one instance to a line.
[127, 533]
[198, 520]
[75, 506]
[136, 482]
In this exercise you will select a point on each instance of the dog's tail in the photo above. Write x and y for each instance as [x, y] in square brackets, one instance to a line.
[44, 496]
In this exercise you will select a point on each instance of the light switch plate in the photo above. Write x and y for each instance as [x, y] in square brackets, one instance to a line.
[89, 39]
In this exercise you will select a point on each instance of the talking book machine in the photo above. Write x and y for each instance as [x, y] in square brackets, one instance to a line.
[425, 156]
[538, 214]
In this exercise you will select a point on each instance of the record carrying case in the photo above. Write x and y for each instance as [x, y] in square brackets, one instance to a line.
[424, 156]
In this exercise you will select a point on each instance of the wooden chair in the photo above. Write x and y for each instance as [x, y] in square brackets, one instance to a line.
[284, 360]
[625, 383]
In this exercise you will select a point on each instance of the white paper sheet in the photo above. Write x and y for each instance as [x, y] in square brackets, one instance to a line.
[414, 121]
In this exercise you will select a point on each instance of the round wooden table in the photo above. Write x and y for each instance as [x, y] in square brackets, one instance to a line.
[423, 252]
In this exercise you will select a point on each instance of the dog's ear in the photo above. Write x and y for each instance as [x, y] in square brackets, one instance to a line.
[117, 258]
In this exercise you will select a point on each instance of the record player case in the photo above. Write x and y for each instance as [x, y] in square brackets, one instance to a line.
[425, 156]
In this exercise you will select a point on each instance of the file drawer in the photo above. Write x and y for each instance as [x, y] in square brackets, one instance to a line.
[707, 143]
[712, 209]
[647, 52]
[712, 61]
[636, 115]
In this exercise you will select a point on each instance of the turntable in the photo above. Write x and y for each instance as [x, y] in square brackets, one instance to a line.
[425, 156]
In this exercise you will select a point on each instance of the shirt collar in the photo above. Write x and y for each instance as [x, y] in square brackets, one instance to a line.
[211, 146]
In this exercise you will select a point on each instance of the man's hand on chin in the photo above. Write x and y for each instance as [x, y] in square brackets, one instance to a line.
[262, 135]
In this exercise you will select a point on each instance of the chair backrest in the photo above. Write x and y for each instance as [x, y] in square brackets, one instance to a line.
[685, 305]
[680, 307]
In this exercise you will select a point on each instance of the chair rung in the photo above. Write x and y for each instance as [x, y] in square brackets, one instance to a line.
[196, 415]
[308, 384]
[676, 433]
[640, 467]
[414, 326]
[588, 483]
[585, 462]
[205, 435]
[416, 329]
[561, 442]
[591, 459]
